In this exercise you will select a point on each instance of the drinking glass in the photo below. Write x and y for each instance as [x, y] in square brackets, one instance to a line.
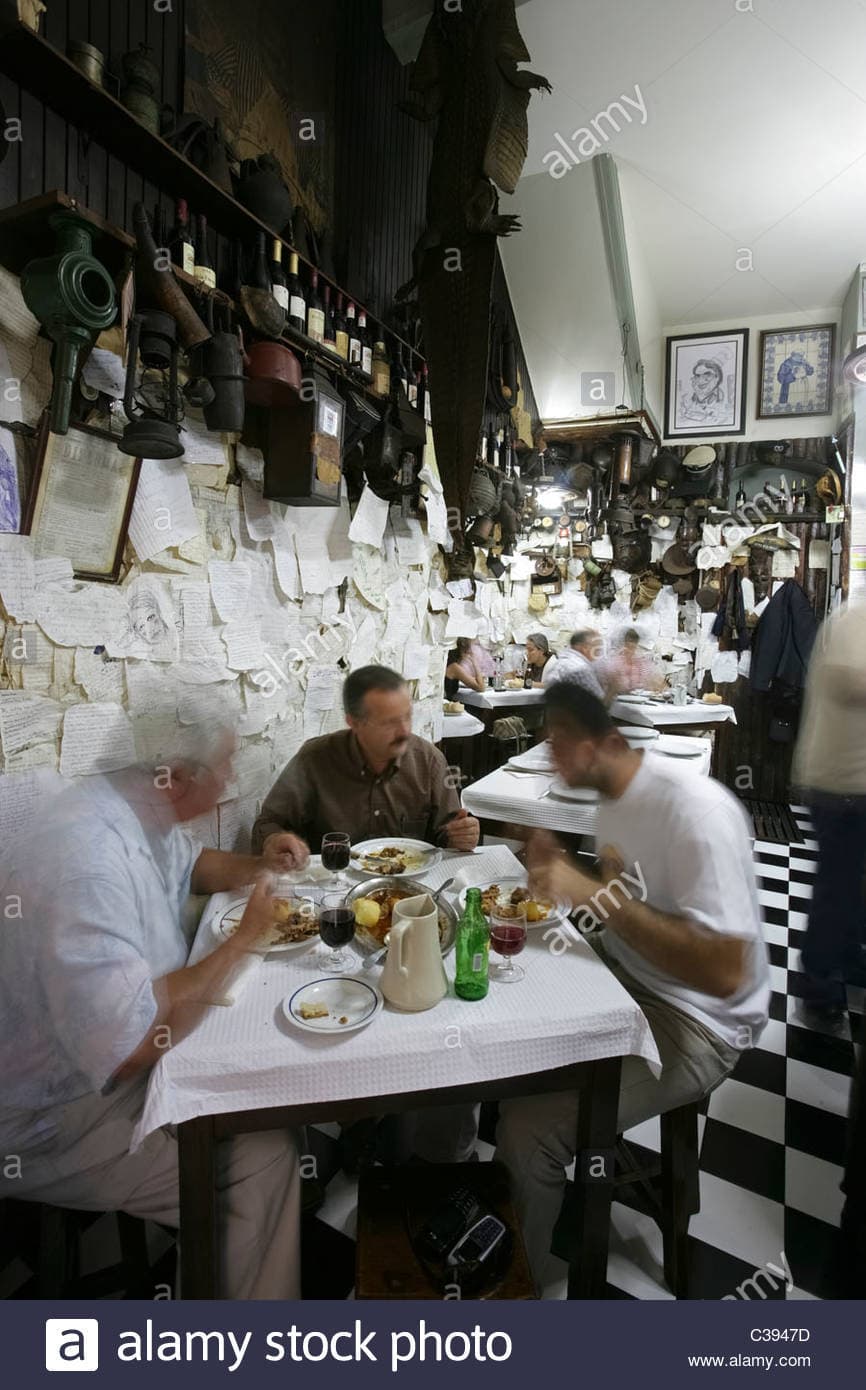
[336, 928]
[335, 855]
[507, 939]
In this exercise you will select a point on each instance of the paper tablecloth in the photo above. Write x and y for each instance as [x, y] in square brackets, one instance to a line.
[568, 1009]
[522, 798]
[664, 716]
[461, 726]
[498, 699]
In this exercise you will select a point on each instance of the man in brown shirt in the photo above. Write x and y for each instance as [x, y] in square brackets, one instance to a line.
[375, 778]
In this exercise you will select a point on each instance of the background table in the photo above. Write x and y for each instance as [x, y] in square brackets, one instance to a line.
[660, 714]
[246, 1068]
[499, 702]
[521, 798]
[461, 726]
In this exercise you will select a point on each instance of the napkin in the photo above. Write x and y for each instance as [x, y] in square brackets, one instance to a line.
[241, 976]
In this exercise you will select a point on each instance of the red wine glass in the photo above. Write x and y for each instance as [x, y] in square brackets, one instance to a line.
[507, 939]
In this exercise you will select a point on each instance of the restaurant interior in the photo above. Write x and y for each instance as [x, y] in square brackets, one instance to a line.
[516, 350]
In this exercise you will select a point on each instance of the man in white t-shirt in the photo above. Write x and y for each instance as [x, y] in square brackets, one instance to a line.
[578, 663]
[682, 932]
[830, 763]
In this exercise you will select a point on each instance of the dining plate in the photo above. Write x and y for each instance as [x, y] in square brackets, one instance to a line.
[561, 791]
[633, 699]
[638, 733]
[226, 924]
[555, 912]
[682, 752]
[350, 1004]
[415, 856]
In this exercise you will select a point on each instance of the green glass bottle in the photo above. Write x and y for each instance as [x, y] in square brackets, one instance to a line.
[473, 950]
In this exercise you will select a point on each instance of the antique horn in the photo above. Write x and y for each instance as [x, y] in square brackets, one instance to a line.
[158, 279]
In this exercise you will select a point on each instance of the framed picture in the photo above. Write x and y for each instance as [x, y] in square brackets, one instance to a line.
[796, 372]
[81, 500]
[705, 384]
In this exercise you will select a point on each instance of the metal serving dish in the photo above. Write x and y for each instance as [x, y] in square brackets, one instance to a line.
[448, 916]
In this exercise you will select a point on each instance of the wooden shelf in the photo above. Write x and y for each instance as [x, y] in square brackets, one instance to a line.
[25, 233]
[39, 68]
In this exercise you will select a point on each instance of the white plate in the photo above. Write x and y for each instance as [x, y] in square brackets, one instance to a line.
[638, 733]
[344, 997]
[427, 856]
[633, 699]
[682, 752]
[558, 912]
[563, 792]
[224, 926]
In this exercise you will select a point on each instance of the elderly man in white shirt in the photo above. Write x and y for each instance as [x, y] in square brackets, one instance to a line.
[577, 661]
[94, 986]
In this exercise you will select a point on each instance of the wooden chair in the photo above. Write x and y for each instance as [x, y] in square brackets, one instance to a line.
[665, 1186]
[49, 1239]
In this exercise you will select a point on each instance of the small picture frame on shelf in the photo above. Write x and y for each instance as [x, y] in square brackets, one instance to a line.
[81, 500]
[705, 385]
[796, 372]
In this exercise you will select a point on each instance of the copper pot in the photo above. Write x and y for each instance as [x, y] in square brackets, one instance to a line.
[273, 375]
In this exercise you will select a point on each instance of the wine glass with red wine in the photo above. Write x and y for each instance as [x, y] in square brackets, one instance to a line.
[507, 939]
[336, 928]
[335, 854]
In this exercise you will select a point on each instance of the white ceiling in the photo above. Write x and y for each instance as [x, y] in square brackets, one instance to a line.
[755, 137]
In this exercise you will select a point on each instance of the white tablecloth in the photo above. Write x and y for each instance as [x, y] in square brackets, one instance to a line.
[498, 699]
[521, 798]
[569, 1009]
[664, 716]
[461, 726]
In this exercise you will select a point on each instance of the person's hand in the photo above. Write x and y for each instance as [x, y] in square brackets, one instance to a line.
[463, 831]
[611, 864]
[282, 852]
[561, 881]
[258, 918]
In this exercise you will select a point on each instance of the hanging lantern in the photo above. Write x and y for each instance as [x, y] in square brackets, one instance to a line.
[152, 400]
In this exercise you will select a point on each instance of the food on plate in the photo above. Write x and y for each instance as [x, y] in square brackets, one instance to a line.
[712, 699]
[453, 707]
[384, 899]
[505, 903]
[367, 912]
[391, 859]
[314, 1010]
[513, 685]
[295, 919]
[344, 1019]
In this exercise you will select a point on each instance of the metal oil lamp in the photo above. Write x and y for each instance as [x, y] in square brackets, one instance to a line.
[152, 400]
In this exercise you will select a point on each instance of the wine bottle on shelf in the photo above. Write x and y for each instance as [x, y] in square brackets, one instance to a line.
[315, 310]
[366, 345]
[260, 278]
[398, 370]
[297, 298]
[341, 332]
[740, 500]
[278, 275]
[381, 370]
[203, 268]
[181, 244]
[412, 382]
[424, 392]
[329, 338]
[353, 335]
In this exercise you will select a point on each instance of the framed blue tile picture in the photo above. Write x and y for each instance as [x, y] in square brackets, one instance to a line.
[796, 372]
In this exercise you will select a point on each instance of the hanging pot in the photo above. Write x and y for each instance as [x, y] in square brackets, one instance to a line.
[262, 191]
[273, 375]
[223, 365]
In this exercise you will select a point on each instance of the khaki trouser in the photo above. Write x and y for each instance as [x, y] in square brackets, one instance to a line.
[87, 1165]
[536, 1134]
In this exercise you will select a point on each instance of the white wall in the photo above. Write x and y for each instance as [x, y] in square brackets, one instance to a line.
[800, 427]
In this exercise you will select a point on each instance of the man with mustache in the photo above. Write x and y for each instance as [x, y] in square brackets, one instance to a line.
[375, 778]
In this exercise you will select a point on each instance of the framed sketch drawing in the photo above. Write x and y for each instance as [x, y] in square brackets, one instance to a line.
[796, 372]
[81, 499]
[705, 384]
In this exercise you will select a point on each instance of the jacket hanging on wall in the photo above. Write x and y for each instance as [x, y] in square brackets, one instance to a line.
[730, 625]
[781, 648]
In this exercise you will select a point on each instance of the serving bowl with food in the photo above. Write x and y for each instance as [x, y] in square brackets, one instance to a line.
[507, 896]
[392, 855]
[295, 924]
[373, 904]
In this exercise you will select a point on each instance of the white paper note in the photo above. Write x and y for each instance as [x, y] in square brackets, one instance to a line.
[322, 683]
[151, 688]
[96, 738]
[17, 577]
[149, 631]
[200, 445]
[250, 462]
[314, 564]
[212, 706]
[286, 565]
[104, 371]
[89, 615]
[263, 518]
[368, 523]
[230, 585]
[243, 642]
[203, 660]
[23, 799]
[162, 513]
[26, 720]
[101, 679]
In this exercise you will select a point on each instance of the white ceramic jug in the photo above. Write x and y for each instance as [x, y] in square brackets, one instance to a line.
[414, 977]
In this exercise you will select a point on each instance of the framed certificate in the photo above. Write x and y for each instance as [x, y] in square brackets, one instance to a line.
[81, 499]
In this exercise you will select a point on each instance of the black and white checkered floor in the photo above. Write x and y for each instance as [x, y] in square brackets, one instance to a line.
[772, 1144]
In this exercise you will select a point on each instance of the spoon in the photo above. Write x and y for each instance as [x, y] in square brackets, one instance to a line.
[376, 956]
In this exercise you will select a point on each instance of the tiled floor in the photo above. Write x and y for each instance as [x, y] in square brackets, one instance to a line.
[771, 1147]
